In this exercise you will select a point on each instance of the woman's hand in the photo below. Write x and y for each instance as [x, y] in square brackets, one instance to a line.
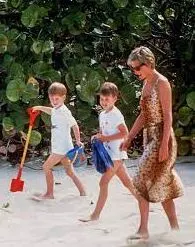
[163, 152]
[125, 144]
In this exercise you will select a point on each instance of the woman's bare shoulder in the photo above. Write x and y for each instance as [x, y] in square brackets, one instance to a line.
[163, 82]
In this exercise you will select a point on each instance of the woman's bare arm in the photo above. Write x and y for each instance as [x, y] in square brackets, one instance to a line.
[166, 104]
[137, 126]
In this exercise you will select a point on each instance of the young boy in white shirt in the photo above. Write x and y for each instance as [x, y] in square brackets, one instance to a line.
[113, 131]
[61, 141]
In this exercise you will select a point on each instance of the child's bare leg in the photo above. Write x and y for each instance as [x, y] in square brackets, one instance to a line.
[103, 194]
[169, 207]
[125, 178]
[51, 161]
[71, 173]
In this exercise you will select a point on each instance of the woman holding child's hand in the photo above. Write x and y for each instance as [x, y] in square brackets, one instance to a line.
[156, 180]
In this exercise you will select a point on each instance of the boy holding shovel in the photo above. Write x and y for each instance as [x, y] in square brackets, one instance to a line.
[61, 140]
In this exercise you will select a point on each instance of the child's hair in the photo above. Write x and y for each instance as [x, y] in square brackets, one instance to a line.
[144, 55]
[109, 88]
[57, 88]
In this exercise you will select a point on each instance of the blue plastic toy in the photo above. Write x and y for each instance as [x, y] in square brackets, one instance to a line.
[76, 155]
[100, 156]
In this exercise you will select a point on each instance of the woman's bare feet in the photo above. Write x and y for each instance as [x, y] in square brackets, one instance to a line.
[140, 235]
[90, 218]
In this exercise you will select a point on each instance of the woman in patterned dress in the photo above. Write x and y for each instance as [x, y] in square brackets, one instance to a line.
[156, 180]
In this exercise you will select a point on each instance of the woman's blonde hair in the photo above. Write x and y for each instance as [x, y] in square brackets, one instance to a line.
[57, 88]
[142, 54]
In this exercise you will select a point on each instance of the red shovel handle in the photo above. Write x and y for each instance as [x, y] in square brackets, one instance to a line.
[33, 114]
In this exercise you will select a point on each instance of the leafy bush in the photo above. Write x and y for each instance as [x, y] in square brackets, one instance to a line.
[83, 43]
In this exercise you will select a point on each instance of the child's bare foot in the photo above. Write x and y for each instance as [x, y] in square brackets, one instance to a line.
[83, 193]
[90, 218]
[46, 196]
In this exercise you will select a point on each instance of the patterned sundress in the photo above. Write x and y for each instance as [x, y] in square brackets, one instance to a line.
[156, 181]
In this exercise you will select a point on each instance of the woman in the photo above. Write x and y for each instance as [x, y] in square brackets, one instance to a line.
[156, 180]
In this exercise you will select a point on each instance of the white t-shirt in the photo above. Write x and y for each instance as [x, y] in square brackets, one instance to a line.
[62, 121]
[109, 121]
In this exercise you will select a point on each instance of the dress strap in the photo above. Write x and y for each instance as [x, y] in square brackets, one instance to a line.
[155, 84]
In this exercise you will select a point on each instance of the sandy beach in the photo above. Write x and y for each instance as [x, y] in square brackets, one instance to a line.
[55, 222]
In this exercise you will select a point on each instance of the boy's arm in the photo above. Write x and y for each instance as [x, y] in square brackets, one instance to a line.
[123, 131]
[76, 132]
[43, 109]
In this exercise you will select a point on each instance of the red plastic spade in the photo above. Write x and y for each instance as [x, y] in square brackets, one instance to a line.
[17, 184]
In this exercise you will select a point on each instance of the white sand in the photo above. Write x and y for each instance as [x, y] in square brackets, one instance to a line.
[55, 222]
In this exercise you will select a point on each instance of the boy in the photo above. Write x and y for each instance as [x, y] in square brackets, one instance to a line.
[61, 141]
[113, 130]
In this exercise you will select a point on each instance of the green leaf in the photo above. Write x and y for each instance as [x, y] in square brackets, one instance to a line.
[139, 21]
[16, 3]
[101, 1]
[113, 24]
[3, 28]
[128, 94]
[169, 12]
[12, 48]
[185, 115]
[15, 89]
[48, 46]
[190, 99]
[3, 40]
[183, 147]
[3, 98]
[120, 3]
[46, 72]
[3, 43]
[20, 119]
[7, 60]
[70, 82]
[84, 111]
[75, 22]
[16, 70]
[179, 132]
[35, 138]
[37, 47]
[32, 16]
[8, 124]
[31, 92]
[43, 47]
[46, 119]
[13, 34]
[90, 83]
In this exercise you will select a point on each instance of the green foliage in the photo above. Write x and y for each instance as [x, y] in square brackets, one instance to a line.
[3, 43]
[84, 43]
[8, 124]
[186, 119]
[35, 138]
[190, 99]
[32, 16]
[185, 115]
[120, 3]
